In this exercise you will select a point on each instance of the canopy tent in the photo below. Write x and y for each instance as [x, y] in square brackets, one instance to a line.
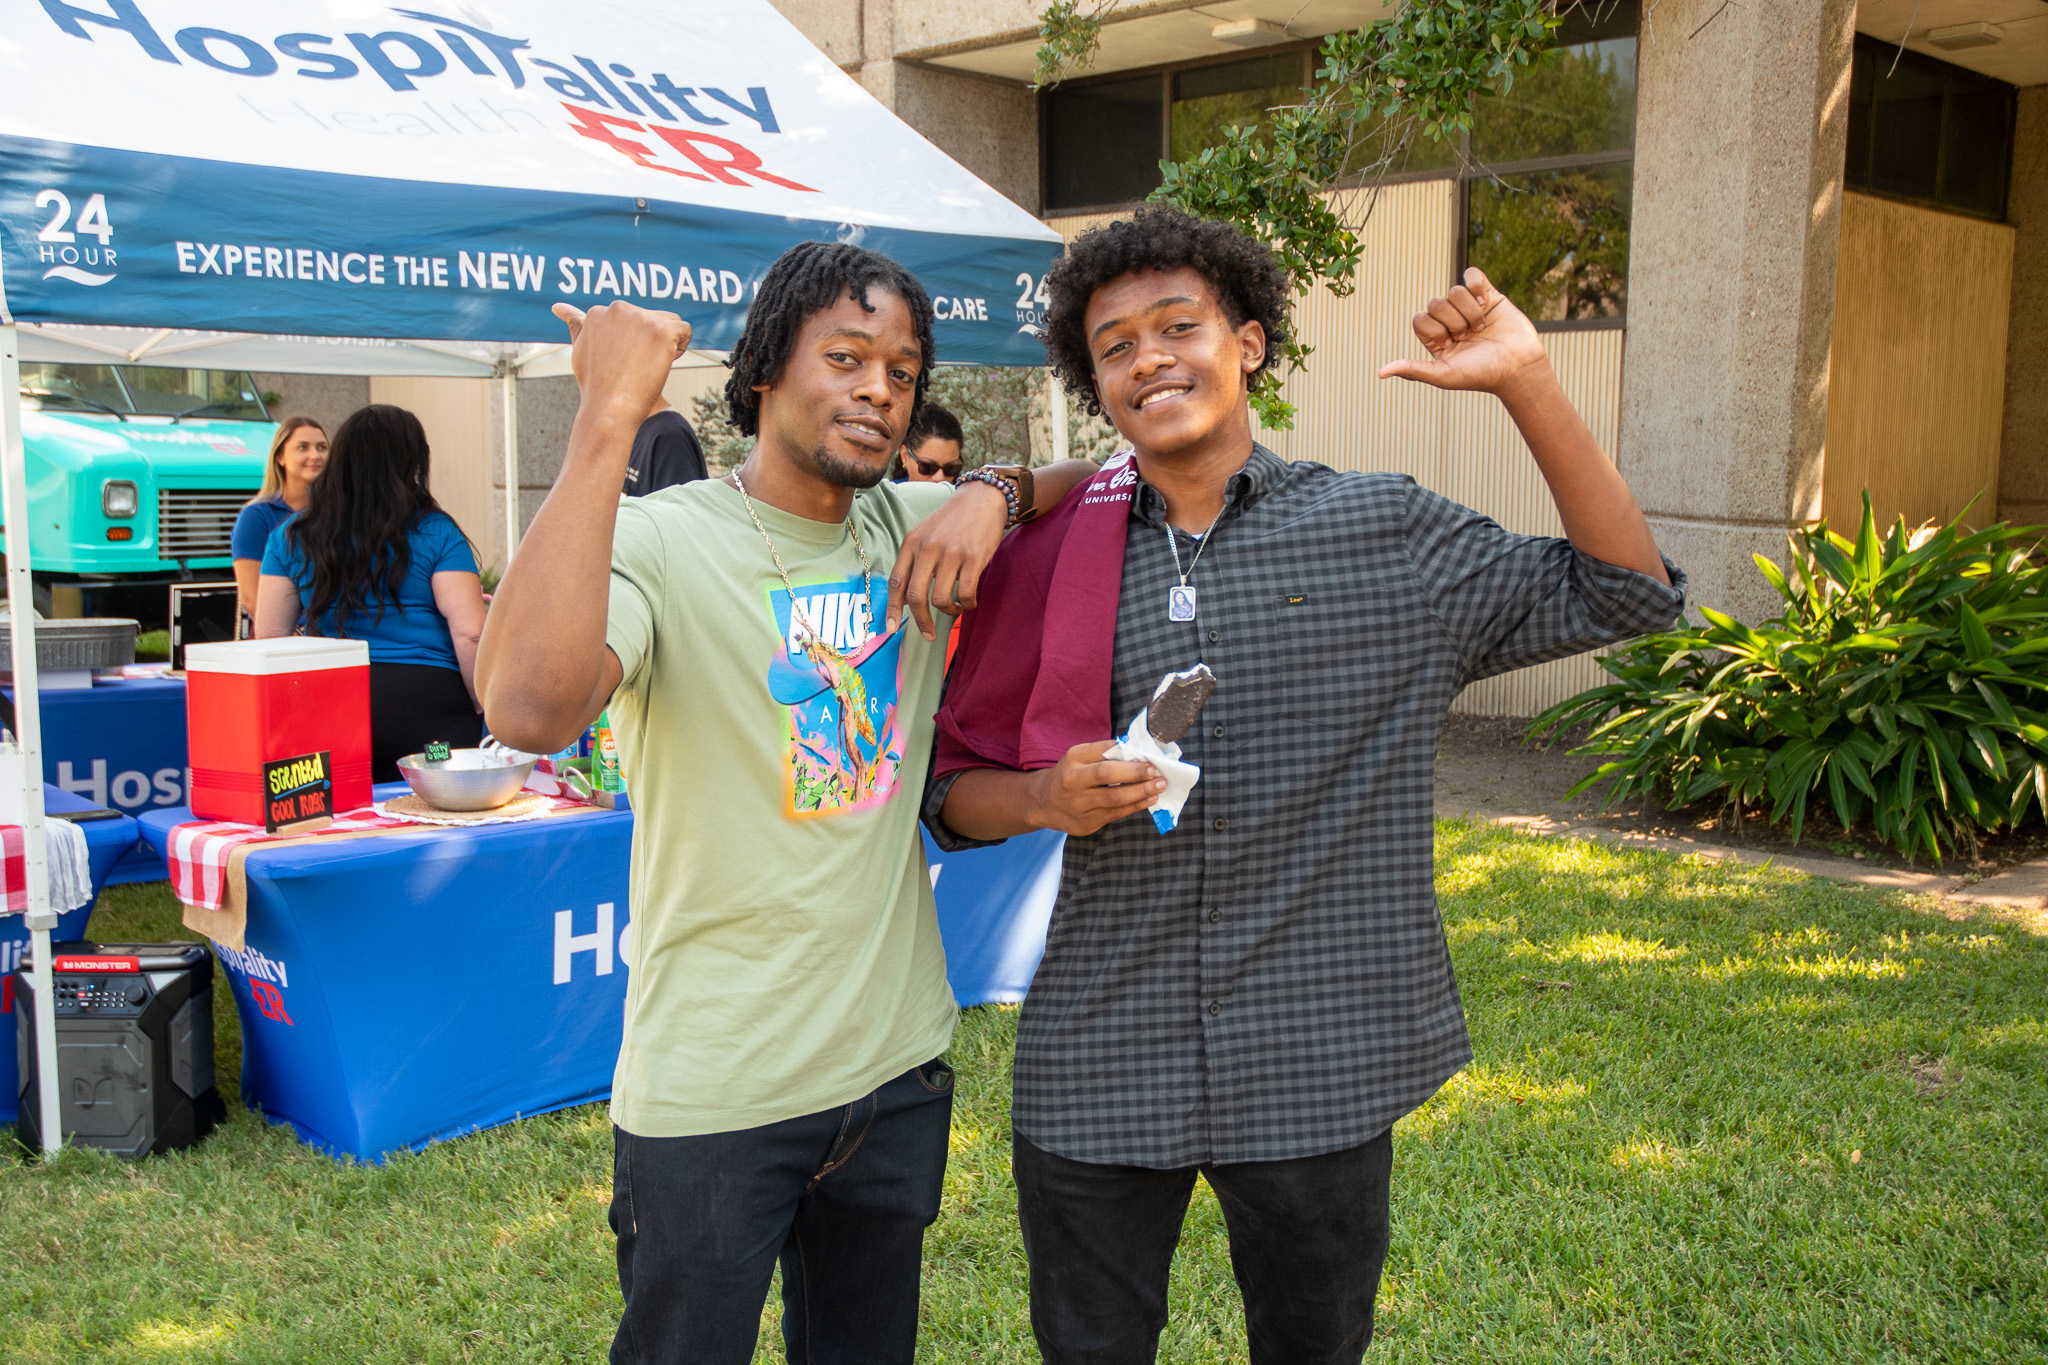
[411, 189]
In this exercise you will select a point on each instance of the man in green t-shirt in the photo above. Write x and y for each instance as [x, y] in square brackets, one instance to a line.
[779, 1093]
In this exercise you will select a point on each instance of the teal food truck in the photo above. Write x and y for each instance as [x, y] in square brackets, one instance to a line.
[135, 476]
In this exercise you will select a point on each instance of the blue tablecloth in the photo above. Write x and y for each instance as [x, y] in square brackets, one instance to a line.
[106, 841]
[119, 744]
[994, 906]
[405, 988]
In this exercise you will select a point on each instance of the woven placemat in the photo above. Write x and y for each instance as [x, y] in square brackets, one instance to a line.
[525, 806]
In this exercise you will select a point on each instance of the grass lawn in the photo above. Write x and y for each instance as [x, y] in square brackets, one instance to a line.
[1717, 1114]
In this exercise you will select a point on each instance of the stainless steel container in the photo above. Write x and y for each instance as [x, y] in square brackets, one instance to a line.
[93, 642]
[470, 779]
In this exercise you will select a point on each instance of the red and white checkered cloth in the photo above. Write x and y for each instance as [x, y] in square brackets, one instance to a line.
[70, 868]
[200, 851]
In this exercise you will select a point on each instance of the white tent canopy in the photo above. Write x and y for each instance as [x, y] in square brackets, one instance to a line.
[188, 348]
[411, 189]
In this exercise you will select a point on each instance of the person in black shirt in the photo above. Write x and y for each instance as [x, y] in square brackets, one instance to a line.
[665, 453]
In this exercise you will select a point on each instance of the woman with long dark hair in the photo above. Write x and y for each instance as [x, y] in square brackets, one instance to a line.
[297, 455]
[373, 557]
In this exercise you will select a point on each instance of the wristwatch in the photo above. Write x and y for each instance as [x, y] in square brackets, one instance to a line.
[1013, 481]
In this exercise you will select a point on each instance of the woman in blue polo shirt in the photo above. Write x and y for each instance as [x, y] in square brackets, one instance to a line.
[297, 455]
[373, 557]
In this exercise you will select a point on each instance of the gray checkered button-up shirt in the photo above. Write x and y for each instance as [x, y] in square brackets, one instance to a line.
[1271, 979]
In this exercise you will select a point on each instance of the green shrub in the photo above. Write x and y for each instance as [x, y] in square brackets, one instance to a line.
[1903, 684]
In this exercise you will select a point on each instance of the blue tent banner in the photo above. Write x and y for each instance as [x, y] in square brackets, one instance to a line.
[407, 174]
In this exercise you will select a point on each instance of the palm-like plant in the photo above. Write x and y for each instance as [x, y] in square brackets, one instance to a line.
[1904, 684]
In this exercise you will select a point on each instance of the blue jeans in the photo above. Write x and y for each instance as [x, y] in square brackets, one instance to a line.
[841, 1198]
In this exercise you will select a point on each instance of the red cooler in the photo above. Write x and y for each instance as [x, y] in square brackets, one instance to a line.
[252, 702]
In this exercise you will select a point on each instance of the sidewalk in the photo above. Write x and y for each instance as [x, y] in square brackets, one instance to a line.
[1485, 772]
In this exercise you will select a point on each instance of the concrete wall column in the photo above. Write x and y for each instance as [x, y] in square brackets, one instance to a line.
[989, 126]
[326, 398]
[2023, 460]
[1742, 122]
[878, 50]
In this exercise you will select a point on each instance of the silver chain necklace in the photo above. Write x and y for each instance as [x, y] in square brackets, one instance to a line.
[796, 611]
[1180, 600]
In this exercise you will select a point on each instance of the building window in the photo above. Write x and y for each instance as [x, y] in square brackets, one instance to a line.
[1544, 178]
[1104, 139]
[1927, 132]
[1102, 142]
[1545, 187]
[1210, 99]
[1556, 242]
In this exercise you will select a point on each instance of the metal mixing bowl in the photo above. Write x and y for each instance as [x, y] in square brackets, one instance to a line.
[471, 779]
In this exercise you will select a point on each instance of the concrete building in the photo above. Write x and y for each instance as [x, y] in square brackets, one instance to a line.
[1781, 253]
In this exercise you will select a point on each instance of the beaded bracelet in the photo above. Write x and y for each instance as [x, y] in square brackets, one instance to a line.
[1007, 487]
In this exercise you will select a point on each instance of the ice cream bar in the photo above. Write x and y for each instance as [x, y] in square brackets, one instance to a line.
[1176, 702]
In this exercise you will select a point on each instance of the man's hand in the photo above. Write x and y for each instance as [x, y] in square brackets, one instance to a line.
[1079, 795]
[622, 353]
[942, 558]
[954, 544]
[542, 669]
[1476, 340]
[1084, 792]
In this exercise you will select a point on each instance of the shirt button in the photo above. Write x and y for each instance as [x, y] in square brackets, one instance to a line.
[1215, 917]
[1219, 824]
[1215, 1007]
[1219, 732]
[1214, 636]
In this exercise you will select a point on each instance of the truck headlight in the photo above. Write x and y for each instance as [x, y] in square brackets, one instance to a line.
[118, 498]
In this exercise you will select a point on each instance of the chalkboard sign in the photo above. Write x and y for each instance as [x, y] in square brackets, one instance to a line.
[298, 793]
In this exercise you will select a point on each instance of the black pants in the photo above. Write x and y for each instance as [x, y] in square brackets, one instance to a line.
[1307, 1240]
[411, 704]
[841, 1198]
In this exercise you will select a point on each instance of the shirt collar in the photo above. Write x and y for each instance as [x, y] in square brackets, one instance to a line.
[1258, 477]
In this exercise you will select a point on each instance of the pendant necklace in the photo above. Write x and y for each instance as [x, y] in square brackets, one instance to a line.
[838, 670]
[1180, 600]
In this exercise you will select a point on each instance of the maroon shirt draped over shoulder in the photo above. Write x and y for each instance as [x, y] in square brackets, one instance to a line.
[1027, 684]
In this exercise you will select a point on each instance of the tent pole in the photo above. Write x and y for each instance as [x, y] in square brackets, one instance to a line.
[28, 726]
[1056, 409]
[508, 395]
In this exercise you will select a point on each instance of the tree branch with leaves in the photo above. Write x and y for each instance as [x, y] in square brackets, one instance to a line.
[1303, 180]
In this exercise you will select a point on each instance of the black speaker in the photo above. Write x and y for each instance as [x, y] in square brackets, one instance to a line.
[134, 1046]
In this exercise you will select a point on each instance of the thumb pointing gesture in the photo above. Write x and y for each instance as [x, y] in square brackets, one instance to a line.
[1476, 339]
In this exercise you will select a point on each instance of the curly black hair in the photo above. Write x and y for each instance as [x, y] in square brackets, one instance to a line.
[1247, 280]
[809, 278]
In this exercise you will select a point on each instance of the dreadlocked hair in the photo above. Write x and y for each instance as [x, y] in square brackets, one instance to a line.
[809, 278]
[1248, 282]
[353, 531]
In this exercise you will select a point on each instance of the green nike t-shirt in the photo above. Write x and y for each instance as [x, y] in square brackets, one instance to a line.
[784, 955]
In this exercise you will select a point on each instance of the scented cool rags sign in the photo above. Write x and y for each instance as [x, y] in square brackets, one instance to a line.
[452, 170]
[298, 793]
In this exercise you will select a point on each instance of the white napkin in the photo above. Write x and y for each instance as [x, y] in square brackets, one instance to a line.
[1138, 746]
[70, 864]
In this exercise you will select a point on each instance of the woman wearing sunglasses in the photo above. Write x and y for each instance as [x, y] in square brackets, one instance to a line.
[931, 449]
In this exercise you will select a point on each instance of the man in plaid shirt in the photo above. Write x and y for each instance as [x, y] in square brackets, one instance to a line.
[1258, 995]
